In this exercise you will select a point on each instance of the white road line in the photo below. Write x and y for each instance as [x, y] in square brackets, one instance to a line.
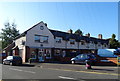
[15, 69]
[30, 72]
[66, 77]
[21, 70]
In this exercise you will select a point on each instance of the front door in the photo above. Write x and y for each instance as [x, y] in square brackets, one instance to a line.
[41, 56]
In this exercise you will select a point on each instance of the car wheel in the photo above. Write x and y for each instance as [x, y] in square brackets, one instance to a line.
[73, 62]
[3, 63]
[11, 63]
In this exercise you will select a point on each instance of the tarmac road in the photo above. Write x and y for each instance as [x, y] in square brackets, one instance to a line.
[31, 72]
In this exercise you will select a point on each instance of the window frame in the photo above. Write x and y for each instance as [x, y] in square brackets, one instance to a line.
[72, 41]
[41, 39]
[58, 39]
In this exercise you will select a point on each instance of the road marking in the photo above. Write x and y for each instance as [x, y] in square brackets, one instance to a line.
[15, 69]
[86, 72]
[29, 71]
[65, 77]
[82, 65]
[21, 70]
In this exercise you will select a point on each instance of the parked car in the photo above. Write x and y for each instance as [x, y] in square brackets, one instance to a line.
[12, 60]
[81, 58]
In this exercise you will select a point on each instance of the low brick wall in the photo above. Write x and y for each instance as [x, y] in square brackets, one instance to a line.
[111, 60]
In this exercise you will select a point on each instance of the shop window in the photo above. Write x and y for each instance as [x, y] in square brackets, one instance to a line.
[57, 52]
[33, 55]
[72, 41]
[48, 52]
[58, 39]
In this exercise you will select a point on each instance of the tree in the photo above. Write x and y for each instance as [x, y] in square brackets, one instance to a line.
[113, 42]
[8, 34]
[79, 32]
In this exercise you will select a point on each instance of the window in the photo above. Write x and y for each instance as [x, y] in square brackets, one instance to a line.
[82, 42]
[57, 52]
[58, 39]
[105, 45]
[91, 42]
[37, 38]
[41, 39]
[99, 44]
[45, 39]
[72, 41]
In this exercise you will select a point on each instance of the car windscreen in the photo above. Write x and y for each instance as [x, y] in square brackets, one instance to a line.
[16, 57]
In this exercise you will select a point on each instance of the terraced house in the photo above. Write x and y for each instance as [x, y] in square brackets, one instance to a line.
[41, 43]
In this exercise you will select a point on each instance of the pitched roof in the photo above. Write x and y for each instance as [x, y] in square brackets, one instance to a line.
[24, 33]
[67, 36]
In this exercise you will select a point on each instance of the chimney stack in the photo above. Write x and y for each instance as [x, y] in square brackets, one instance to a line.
[88, 35]
[100, 36]
[70, 31]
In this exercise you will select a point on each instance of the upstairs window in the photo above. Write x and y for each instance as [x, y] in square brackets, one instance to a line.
[45, 39]
[37, 38]
[91, 42]
[72, 41]
[105, 45]
[41, 39]
[99, 44]
[82, 42]
[58, 39]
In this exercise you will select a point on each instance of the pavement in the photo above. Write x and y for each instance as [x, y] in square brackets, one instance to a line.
[113, 70]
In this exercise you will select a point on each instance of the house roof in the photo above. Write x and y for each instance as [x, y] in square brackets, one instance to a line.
[67, 36]
[25, 32]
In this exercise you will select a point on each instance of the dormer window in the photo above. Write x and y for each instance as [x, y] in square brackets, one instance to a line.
[105, 45]
[58, 39]
[72, 41]
[82, 42]
[91, 42]
[99, 44]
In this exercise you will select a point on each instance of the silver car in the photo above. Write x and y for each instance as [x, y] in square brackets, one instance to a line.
[81, 58]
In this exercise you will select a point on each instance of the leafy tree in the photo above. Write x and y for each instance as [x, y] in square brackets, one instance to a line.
[79, 32]
[113, 42]
[8, 34]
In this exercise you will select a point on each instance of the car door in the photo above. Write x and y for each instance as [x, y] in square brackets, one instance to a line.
[7, 61]
[77, 59]
[83, 58]
[80, 58]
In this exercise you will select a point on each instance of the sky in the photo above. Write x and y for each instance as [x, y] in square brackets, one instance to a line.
[90, 17]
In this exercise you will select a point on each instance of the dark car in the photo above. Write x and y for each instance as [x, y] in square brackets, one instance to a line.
[12, 60]
[81, 58]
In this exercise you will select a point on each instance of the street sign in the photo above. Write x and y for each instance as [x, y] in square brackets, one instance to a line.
[118, 60]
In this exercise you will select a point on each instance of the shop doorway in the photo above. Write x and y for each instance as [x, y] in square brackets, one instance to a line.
[44, 55]
[41, 56]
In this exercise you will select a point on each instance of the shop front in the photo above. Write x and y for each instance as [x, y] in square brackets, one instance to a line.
[40, 54]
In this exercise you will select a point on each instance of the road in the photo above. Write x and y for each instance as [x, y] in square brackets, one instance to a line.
[31, 72]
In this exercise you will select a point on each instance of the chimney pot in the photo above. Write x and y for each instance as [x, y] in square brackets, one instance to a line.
[100, 36]
[70, 31]
[88, 35]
